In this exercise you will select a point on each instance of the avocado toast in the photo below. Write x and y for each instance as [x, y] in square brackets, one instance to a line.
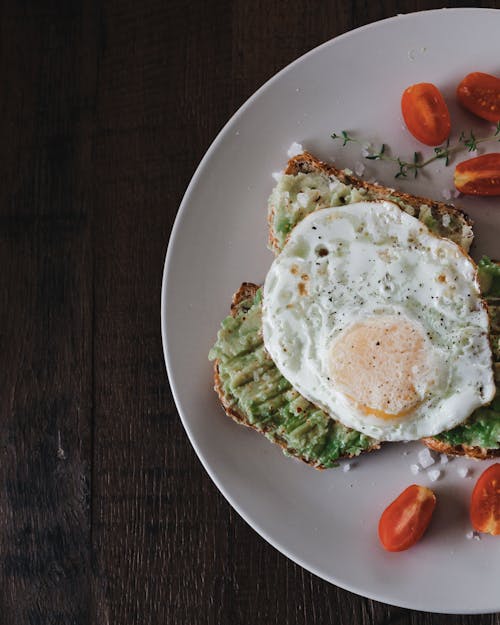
[254, 393]
[309, 184]
[250, 387]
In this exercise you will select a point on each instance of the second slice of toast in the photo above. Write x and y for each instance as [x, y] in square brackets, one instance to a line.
[309, 184]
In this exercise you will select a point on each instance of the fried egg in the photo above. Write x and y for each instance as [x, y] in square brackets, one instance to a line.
[379, 322]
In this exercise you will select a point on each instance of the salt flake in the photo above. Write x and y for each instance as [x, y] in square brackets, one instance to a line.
[434, 475]
[425, 458]
[295, 149]
[359, 169]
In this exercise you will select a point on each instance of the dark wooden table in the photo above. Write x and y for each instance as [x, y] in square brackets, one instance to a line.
[106, 515]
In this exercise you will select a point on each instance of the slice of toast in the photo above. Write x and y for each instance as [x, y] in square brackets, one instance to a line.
[301, 429]
[309, 184]
[242, 303]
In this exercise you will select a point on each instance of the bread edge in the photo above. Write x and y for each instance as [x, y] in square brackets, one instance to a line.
[479, 453]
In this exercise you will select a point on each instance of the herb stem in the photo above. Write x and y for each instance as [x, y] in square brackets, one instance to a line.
[465, 142]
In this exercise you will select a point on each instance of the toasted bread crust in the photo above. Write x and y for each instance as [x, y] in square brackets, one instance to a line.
[461, 450]
[248, 290]
[307, 163]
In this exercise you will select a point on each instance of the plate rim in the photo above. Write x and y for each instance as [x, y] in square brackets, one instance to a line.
[183, 207]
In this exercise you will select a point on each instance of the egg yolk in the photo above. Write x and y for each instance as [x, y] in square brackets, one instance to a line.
[381, 365]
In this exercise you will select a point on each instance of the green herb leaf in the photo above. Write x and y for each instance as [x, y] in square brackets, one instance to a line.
[469, 142]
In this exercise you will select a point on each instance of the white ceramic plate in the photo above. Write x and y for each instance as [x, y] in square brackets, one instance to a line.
[327, 521]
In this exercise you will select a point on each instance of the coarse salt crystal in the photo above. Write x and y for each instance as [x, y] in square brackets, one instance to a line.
[446, 193]
[473, 534]
[359, 169]
[434, 475]
[444, 459]
[302, 199]
[366, 150]
[346, 467]
[425, 458]
[446, 220]
[414, 468]
[295, 149]
[463, 471]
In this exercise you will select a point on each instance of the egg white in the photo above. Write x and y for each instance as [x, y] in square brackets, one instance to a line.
[347, 264]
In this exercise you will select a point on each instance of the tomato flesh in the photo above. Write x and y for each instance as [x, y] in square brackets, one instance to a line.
[479, 176]
[480, 94]
[485, 502]
[405, 520]
[425, 113]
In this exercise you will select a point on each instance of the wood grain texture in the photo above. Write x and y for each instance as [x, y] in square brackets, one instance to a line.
[45, 320]
[106, 515]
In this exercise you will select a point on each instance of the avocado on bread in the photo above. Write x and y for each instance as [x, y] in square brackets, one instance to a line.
[249, 385]
[309, 184]
[254, 393]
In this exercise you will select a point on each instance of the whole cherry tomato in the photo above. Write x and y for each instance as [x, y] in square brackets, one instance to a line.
[480, 94]
[485, 502]
[425, 113]
[403, 523]
[479, 176]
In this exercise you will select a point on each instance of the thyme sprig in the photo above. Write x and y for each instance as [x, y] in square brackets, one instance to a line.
[468, 142]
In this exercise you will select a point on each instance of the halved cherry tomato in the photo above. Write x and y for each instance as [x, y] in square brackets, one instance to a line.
[403, 523]
[480, 94]
[425, 113]
[479, 176]
[485, 502]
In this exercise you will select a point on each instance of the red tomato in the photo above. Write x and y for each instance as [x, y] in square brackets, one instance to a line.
[403, 523]
[480, 94]
[425, 113]
[485, 502]
[479, 176]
